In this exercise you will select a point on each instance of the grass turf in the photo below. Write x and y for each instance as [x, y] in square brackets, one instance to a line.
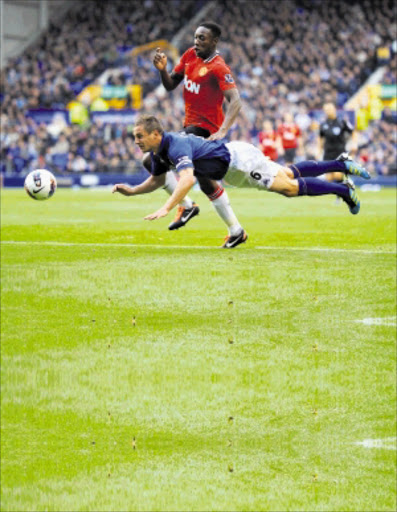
[147, 370]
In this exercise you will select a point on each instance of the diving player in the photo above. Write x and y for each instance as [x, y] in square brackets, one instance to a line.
[237, 163]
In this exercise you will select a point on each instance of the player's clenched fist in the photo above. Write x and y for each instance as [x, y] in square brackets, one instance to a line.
[160, 60]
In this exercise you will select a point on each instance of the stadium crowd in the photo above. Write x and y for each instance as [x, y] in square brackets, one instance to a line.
[97, 147]
[289, 59]
[297, 57]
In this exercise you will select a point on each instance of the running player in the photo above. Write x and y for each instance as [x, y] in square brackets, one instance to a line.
[208, 81]
[237, 163]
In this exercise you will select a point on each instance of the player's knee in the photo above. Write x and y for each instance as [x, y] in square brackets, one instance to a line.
[285, 186]
[207, 186]
[291, 188]
[289, 172]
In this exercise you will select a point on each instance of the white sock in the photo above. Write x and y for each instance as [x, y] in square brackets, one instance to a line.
[225, 211]
[170, 185]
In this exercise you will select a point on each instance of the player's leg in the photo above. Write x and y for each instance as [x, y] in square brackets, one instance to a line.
[283, 184]
[187, 209]
[219, 199]
[333, 168]
[334, 176]
[249, 168]
[311, 168]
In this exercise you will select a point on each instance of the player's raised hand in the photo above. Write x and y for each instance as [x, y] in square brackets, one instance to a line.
[160, 60]
[163, 212]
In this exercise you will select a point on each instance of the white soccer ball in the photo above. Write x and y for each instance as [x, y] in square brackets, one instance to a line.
[40, 184]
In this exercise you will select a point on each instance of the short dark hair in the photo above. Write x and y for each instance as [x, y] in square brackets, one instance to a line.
[150, 123]
[214, 27]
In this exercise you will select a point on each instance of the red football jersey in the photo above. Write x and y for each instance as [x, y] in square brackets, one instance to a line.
[205, 81]
[267, 140]
[289, 133]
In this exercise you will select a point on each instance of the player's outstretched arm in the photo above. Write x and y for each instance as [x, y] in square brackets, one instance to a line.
[151, 184]
[185, 183]
[170, 81]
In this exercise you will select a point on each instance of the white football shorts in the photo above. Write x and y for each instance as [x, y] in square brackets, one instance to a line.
[249, 167]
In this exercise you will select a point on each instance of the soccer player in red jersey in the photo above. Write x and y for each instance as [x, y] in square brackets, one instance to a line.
[290, 137]
[269, 141]
[208, 81]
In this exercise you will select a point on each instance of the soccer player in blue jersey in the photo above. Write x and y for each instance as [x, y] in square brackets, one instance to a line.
[237, 163]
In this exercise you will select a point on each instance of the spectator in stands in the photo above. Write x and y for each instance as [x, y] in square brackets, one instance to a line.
[388, 116]
[269, 141]
[287, 59]
[61, 146]
[291, 138]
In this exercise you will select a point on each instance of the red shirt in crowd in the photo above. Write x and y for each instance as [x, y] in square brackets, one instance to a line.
[267, 141]
[205, 81]
[289, 133]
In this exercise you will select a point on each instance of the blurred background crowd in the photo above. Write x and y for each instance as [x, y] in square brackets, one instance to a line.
[288, 59]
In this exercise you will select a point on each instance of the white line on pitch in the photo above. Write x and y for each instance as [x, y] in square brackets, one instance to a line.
[165, 246]
[387, 320]
[326, 249]
[110, 244]
[389, 443]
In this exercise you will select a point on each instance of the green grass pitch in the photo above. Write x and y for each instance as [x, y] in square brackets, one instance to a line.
[148, 370]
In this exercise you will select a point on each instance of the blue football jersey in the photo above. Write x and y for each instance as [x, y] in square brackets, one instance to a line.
[208, 158]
